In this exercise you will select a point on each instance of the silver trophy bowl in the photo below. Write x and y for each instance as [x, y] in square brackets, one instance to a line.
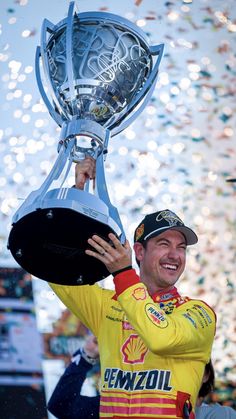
[95, 72]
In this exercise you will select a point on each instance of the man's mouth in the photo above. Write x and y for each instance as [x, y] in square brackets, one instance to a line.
[170, 266]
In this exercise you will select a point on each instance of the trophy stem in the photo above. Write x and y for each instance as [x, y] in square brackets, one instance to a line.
[77, 126]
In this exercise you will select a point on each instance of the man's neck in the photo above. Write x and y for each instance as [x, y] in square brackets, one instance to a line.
[152, 283]
[154, 289]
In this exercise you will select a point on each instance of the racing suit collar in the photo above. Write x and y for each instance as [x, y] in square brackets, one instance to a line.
[161, 295]
[165, 295]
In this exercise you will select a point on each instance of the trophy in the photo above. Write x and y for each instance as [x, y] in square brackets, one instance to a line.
[95, 72]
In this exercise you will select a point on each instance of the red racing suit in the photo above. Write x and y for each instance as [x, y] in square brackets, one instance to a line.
[153, 349]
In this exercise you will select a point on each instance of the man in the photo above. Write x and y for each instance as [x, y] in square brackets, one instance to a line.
[67, 400]
[153, 343]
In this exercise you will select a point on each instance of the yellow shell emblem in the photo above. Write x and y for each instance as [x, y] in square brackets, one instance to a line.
[134, 350]
[139, 293]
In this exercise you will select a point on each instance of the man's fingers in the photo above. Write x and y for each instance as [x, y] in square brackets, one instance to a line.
[86, 168]
[100, 245]
[115, 256]
[80, 179]
[117, 242]
[110, 251]
[84, 171]
[105, 257]
[94, 243]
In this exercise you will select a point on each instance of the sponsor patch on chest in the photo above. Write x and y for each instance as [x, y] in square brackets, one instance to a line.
[156, 316]
[115, 378]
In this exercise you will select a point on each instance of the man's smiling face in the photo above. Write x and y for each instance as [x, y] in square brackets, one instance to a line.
[163, 260]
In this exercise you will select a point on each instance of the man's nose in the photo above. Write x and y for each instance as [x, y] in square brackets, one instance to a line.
[173, 252]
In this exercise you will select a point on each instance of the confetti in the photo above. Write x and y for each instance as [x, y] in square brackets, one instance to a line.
[179, 153]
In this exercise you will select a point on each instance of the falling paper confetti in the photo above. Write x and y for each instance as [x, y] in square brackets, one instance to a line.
[178, 154]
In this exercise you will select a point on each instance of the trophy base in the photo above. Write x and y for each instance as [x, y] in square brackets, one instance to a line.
[50, 243]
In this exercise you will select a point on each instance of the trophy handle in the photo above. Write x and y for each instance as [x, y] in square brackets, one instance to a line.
[49, 27]
[56, 116]
[148, 86]
[102, 191]
[38, 195]
[69, 55]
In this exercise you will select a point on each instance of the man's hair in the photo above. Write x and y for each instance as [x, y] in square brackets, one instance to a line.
[207, 387]
[144, 244]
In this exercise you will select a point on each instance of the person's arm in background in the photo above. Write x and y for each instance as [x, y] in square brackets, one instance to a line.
[66, 402]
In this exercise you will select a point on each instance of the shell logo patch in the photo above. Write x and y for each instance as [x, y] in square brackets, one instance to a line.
[139, 293]
[134, 350]
[139, 232]
[156, 316]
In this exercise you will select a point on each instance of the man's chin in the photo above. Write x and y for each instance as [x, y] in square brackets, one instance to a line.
[170, 281]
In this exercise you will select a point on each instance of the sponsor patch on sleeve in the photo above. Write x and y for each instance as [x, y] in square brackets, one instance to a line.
[139, 293]
[190, 318]
[198, 316]
[156, 316]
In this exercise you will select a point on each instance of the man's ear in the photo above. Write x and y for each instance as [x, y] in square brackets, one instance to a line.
[139, 251]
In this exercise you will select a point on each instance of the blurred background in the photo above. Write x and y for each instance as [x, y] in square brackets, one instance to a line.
[179, 154]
